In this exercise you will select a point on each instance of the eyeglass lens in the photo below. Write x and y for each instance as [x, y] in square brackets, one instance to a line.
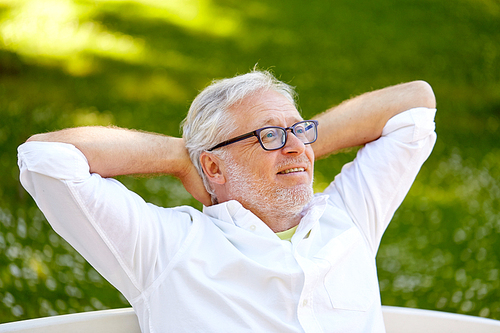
[275, 137]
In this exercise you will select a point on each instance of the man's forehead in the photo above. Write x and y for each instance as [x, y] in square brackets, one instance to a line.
[267, 108]
[277, 118]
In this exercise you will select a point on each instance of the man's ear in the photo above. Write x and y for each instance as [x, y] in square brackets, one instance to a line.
[212, 167]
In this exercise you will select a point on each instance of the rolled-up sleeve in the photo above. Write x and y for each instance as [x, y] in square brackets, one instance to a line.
[373, 186]
[113, 228]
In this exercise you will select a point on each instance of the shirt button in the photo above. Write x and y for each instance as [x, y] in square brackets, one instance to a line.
[304, 302]
[253, 227]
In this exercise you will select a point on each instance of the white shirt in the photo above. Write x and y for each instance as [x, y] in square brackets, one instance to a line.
[223, 269]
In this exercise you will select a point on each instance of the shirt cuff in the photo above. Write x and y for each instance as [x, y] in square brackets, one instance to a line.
[411, 125]
[54, 159]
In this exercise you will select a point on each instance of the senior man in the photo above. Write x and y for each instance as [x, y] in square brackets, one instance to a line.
[265, 255]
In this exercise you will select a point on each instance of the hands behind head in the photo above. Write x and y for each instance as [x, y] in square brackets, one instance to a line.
[194, 185]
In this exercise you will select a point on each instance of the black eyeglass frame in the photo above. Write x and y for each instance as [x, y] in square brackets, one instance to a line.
[257, 134]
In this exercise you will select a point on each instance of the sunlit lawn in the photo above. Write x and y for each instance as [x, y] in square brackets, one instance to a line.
[139, 63]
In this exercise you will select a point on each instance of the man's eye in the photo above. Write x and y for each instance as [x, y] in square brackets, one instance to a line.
[300, 129]
[269, 135]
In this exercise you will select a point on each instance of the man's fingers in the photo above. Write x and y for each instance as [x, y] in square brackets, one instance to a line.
[194, 185]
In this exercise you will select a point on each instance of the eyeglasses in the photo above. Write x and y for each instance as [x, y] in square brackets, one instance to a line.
[274, 137]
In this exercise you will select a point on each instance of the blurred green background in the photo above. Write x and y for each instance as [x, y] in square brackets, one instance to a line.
[139, 63]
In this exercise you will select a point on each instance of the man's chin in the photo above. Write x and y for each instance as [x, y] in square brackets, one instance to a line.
[294, 199]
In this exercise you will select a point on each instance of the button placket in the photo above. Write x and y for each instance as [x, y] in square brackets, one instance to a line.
[305, 311]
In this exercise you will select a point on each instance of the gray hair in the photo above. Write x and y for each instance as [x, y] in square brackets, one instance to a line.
[208, 121]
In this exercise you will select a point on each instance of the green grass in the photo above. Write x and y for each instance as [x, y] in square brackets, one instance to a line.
[72, 63]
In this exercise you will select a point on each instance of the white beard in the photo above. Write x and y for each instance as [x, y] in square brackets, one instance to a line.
[262, 197]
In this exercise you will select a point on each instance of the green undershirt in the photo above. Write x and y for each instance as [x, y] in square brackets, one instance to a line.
[287, 234]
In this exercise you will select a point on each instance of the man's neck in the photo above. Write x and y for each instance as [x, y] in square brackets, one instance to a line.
[277, 220]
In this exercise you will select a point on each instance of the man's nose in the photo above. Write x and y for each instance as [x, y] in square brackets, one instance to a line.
[293, 145]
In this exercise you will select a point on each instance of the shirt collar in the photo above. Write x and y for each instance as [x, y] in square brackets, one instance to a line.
[312, 213]
[231, 212]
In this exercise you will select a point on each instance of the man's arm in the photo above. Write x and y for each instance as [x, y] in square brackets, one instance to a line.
[361, 119]
[112, 151]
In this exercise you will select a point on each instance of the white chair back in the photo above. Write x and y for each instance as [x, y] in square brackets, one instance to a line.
[397, 320]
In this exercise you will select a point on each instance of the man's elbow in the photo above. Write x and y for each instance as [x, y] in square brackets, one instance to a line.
[36, 137]
[424, 94]
[48, 137]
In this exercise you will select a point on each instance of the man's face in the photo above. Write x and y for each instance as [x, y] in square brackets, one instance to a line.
[281, 179]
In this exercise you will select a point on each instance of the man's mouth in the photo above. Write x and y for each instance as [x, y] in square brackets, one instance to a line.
[287, 171]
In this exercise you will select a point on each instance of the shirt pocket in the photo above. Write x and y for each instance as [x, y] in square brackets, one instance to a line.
[351, 281]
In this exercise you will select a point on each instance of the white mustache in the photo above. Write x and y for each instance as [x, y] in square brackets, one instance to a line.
[293, 161]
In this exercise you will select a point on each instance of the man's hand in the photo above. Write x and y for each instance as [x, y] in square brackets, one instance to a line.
[194, 185]
[112, 151]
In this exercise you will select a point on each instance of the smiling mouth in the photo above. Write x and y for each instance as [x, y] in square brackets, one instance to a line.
[287, 171]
